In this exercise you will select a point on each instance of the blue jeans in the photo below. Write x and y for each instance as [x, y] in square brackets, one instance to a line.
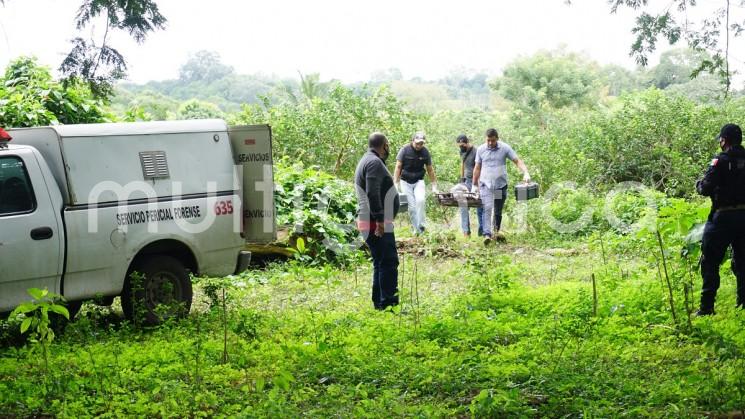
[385, 270]
[416, 198]
[465, 222]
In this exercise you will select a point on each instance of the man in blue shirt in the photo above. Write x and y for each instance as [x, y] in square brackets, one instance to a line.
[490, 179]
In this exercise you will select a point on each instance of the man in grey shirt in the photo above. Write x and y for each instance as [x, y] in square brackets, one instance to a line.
[377, 201]
[467, 163]
[490, 178]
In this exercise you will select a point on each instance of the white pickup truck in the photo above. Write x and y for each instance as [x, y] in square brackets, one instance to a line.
[131, 209]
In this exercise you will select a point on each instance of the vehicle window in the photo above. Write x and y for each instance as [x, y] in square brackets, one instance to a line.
[16, 194]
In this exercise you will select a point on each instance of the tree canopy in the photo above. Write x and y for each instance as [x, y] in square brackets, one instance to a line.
[204, 66]
[711, 35]
[29, 96]
[558, 79]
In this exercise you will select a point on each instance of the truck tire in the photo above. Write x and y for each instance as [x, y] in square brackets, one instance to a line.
[59, 323]
[73, 307]
[156, 290]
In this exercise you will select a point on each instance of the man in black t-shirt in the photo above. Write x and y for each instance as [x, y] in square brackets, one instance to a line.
[411, 163]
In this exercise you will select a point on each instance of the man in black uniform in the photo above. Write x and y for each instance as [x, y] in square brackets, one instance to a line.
[724, 182]
[377, 201]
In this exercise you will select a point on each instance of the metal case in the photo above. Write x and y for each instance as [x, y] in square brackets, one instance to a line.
[526, 191]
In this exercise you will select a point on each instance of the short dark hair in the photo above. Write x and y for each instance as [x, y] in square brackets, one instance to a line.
[491, 132]
[376, 140]
[463, 138]
[732, 133]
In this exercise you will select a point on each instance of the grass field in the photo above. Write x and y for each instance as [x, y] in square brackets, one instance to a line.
[512, 330]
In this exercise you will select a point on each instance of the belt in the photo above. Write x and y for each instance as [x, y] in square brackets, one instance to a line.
[371, 225]
[732, 208]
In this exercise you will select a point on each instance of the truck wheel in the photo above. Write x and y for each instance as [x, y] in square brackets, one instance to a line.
[59, 323]
[156, 290]
[73, 307]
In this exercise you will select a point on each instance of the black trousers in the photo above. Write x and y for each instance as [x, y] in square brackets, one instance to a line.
[385, 270]
[498, 207]
[724, 229]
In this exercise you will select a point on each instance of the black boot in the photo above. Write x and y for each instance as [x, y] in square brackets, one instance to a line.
[704, 312]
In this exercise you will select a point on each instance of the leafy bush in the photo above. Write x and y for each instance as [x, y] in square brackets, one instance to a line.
[550, 78]
[318, 208]
[569, 210]
[662, 140]
[332, 131]
[30, 97]
[196, 109]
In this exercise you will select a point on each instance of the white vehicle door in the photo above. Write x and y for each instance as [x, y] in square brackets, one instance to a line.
[30, 238]
[252, 152]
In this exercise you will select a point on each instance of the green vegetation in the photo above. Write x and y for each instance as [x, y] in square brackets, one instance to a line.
[30, 97]
[515, 330]
[699, 29]
[320, 211]
[548, 79]
[587, 310]
[570, 118]
[331, 131]
[94, 61]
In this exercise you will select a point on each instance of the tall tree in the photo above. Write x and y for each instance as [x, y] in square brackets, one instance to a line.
[673, 24]
[309, 88]
[387, 75]
[557, 79]
[619, 80]
[96, 62]
[204, 66]
[676, 67]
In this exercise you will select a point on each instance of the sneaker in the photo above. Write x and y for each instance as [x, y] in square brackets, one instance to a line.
[487, 240]
[701, 312]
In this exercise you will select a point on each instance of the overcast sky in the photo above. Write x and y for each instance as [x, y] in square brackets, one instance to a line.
[342, 39]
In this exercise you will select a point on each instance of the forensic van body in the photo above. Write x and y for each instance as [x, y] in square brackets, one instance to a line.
[130, 209]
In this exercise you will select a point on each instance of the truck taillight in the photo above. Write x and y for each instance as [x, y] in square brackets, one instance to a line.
[4, 138]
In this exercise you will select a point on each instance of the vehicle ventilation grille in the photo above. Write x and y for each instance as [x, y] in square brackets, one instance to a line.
[154, 164]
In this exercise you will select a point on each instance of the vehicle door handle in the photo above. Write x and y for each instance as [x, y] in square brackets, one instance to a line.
[42, 233]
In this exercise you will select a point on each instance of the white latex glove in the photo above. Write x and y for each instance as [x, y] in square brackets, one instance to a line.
[379, 230]
[526, 177]
[398, 187]
[434, 188]
[474, 189]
